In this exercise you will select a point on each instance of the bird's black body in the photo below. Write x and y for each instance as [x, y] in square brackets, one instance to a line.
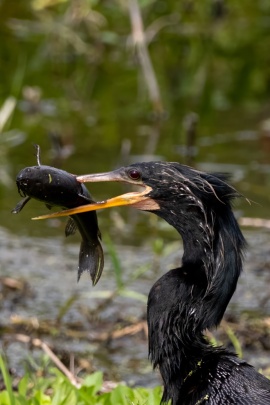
[57, 187]
[187, 300]
[221, 378]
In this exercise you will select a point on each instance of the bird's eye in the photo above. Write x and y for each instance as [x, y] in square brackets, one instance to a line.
[134, 174]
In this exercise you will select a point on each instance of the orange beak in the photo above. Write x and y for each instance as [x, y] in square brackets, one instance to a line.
[139, 200]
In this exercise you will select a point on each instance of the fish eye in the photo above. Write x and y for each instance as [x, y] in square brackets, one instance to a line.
[134, 174]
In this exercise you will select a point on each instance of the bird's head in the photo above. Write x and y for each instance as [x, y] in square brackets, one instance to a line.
[191, 201]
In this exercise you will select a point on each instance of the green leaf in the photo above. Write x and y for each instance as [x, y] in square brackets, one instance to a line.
[23, 384]
[64, 394]
[91, 385]
[118, 271]
[42, 399]
[154, 397]
[94, 380]
[122, 395]
[7, 381]
[4, 398]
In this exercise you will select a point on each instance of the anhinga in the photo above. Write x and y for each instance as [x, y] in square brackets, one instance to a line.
[187, 300]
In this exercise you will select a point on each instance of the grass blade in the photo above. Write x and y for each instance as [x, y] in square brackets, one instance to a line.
[7, 381]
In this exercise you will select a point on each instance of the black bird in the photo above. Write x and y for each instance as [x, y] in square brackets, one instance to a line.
[187, 300]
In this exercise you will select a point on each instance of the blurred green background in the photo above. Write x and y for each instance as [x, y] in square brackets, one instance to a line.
[71, 72]
[75, 79]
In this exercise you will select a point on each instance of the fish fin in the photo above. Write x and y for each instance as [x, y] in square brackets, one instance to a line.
[91, 259]
[37, 150]
[49, 206]
[71, 227]
[99, 234]
[87, 199]
[20, 205]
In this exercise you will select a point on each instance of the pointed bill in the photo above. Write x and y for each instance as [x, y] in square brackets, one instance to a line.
[139, 200]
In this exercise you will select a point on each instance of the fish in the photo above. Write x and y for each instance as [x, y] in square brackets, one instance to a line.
[56, 187]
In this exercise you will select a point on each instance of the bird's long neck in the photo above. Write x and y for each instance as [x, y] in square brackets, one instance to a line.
[213, 245]
[187, 300]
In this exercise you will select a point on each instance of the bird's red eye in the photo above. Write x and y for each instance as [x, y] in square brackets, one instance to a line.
[134, 174]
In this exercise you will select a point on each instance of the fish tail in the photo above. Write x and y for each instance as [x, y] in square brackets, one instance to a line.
[91, 259]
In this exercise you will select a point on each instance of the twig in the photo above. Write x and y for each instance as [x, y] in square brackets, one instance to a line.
[129, 330]
[255, 222]
[139, 42]
[118, 334]
[12, 283]
[39, 343]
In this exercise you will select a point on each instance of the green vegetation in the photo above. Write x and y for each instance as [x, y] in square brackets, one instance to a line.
[56, 389]
[74, 63]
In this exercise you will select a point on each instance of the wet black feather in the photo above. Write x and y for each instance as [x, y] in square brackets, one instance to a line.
[187, 300]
